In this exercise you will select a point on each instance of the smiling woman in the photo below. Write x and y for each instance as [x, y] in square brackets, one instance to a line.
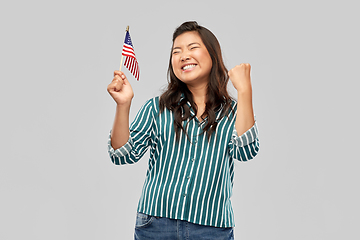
[203, 85]
[195, 132]
[191, 61]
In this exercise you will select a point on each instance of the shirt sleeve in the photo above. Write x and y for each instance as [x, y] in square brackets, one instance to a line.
[245, 147]
[141, 132]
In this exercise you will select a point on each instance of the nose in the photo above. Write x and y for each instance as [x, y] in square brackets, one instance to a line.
[184, 57]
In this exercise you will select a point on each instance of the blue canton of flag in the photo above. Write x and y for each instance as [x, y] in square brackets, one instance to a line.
[130, 62]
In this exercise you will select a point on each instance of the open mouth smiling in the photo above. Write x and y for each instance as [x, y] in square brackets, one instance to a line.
[188, 66]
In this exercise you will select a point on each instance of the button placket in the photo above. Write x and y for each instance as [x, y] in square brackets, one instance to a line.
[194, 154]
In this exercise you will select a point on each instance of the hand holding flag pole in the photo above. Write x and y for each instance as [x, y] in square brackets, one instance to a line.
[128, 51]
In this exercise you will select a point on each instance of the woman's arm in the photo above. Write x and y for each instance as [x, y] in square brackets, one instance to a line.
[140, 137]
[121, 91]
[120, 131]
[240, 78]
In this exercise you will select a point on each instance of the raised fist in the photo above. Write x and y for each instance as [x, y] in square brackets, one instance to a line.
[120, 89]
[240, 77]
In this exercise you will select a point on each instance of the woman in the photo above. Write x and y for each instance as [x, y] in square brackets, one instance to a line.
[195, 131]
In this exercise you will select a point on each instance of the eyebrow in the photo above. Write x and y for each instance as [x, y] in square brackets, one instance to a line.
[187, 45]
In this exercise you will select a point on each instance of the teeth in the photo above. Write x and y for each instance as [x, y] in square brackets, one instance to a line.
[189, 66]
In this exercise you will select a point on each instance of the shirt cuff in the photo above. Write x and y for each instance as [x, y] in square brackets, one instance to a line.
[122, 151]
[248, 137]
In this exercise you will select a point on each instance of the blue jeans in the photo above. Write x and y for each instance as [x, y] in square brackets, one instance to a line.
[149, 227]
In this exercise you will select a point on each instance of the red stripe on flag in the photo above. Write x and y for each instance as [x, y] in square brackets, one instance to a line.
[132, 65]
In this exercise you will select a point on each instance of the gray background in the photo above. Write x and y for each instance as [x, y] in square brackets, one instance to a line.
[57, 58]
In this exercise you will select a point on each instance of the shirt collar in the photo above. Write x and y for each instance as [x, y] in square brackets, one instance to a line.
[191, 110]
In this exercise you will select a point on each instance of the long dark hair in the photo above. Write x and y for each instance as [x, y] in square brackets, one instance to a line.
[217, 94]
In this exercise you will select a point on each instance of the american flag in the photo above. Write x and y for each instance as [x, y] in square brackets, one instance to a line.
[130, 62]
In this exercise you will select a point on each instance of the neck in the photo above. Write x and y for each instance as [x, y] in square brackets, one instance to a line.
[199, 93]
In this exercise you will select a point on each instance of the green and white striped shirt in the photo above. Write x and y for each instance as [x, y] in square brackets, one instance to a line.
[186, 180]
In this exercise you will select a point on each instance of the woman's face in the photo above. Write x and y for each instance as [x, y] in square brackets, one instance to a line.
[190, 59]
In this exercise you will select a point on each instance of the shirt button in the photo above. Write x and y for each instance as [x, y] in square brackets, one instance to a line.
[188, 177]
[195, 141]
[192, 159]
[184, 194]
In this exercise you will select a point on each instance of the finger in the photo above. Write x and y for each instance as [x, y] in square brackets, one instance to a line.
[119, 73]
[116, 86]
[126, 82]
[111, 87]
[248, 68]
[117, 78]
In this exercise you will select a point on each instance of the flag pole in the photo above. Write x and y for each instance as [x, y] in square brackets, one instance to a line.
[122, 56]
